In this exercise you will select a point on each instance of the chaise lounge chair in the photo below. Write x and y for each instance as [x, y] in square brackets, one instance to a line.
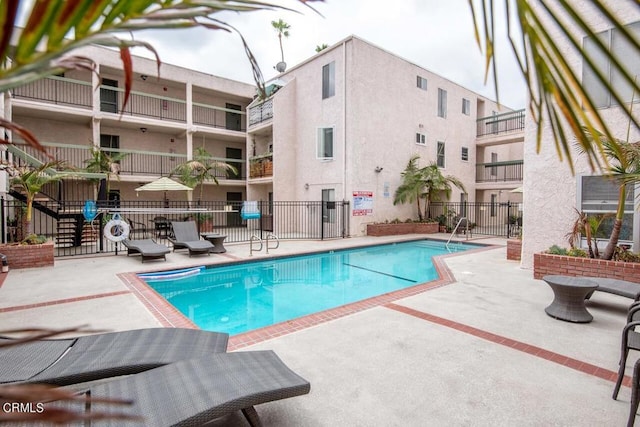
[92, 357]
[186, 237]
[193, 392]
[148, 248]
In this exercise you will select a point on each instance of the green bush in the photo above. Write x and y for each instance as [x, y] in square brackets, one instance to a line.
[34, 239]
[557, 250]
[577, 252]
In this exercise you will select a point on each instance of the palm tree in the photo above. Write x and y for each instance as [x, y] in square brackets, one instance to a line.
[202, 168]
[321, 47]
[282, 28]
[412, 186]
[435, 184]
[556, 92]
[102, 161]
[31, 180]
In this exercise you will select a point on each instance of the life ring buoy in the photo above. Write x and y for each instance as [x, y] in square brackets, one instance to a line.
[116, 230]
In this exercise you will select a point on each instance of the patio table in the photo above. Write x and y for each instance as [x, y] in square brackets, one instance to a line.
[569, 296]
[217, 240]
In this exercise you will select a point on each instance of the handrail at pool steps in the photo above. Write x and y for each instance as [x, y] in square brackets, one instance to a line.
[256, 238]
[272, 236]
[455, 229]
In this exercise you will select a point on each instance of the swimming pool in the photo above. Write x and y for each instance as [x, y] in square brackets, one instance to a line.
[250, 295]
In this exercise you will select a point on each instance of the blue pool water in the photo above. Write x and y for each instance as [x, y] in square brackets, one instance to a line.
[242, 297]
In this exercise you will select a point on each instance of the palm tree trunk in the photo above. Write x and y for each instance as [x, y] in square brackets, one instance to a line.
[419, 209]
[617, 225]
[281, 50]
[29, 215]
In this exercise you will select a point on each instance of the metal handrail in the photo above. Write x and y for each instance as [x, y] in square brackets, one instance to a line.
[272, 236]
[257, 238]
[456, 229]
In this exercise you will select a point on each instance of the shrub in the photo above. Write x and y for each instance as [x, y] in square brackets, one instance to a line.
[34, 239]
[577, 252]
[557, 250]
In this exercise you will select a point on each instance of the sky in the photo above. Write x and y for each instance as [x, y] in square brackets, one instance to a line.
[434, 34]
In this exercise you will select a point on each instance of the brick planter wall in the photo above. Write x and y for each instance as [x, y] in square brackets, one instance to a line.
[27, 256]
[402, 228]
[514, 249]
[544, 264]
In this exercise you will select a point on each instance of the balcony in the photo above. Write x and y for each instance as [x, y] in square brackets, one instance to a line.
[501, 123]
[510, 171]
[261, 112]
[76, 93]
[135, 162]
[261, 166]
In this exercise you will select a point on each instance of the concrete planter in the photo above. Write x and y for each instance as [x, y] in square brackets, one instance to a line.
[514, 249]
[402, 228]
[544, 264]
[28, 256]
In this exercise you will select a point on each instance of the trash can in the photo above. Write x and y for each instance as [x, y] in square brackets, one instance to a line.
[5, 264]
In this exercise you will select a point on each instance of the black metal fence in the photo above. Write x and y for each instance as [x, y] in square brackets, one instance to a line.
[501, 123]
[492, 219]
[72, 235]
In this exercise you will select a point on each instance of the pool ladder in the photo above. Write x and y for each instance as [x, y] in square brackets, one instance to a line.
[256, 238]
[456, 229]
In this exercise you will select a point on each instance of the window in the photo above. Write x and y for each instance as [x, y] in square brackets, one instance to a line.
[494, 159]
[442, 103]
[626, 54]
[465, 154]
[329, 80]
[422, 83]
[599, 195]
[466, 106]
[109, 97]
[325, 143]
[421, 138]
[494, 205]
[440, 155]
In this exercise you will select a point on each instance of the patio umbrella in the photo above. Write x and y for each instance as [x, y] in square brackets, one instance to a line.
[164, 184]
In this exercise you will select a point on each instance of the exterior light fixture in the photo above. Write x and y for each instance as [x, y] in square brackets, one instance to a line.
[143, 130]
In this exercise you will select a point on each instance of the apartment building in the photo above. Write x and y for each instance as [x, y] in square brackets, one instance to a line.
[167, 118]
[552, 194]
[342, 126]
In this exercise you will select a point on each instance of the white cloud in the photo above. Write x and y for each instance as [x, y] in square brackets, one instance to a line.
[435, 34]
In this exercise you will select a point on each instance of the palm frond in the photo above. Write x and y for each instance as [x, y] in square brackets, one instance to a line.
[556, 92]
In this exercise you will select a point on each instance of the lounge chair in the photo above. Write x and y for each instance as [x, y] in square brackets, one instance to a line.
[630, 341]
[193, 392]
[92, 357]
[148, 248]
[635, 394]
[186, 237]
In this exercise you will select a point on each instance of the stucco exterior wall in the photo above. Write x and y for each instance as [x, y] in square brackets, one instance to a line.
[550, 189]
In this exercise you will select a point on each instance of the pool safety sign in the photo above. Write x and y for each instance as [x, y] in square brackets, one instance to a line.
[362, 203]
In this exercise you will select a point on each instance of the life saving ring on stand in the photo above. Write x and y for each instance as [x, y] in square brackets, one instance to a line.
[116, 229]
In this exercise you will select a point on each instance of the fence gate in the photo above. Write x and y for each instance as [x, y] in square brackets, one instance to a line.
[491, 219]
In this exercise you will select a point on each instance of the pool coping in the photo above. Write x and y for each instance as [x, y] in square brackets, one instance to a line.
[169, 316]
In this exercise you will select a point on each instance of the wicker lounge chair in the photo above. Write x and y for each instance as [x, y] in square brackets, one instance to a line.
[147, 248]
[75, 360]
[193, 392]
[635, 394]
[630, 341]
[186, 237]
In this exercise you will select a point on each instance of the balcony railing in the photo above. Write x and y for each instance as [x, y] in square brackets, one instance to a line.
[57, 90]
[501, 123]
[261, 166]
[65, 91]
[499, 171]
[135, 162]
[261, 112]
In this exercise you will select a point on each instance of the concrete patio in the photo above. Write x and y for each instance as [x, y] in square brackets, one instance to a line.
[479, 351]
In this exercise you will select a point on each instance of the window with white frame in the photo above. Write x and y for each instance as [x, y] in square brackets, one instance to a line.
[421, 82]
[464, 155]
[442, 103]
[440, 155]
[628, 56]
[421, 138]
[324, 145]
[598, 195]
[329, 80]
[466, 106]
